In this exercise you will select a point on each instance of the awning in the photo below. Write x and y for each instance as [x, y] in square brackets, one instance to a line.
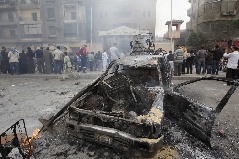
[123, 30]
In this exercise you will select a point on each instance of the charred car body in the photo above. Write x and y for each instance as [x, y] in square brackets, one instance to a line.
[126, 110]
[123, 110]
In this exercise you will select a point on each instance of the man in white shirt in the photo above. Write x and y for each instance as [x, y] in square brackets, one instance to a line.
[13, 56]
[58, 55]
[232, 62]
[104, 60]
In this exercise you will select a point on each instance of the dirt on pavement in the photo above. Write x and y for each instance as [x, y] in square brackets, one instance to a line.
[31, 98]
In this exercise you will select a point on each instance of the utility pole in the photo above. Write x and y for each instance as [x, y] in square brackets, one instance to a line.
[171, 25]
[91, 25]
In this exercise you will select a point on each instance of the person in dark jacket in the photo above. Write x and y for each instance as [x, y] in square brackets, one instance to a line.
[48, 59]
[201, 57]
[208, 62]
[39, 59]
[30, 61]
[170, 59]
[190, 62]
[23, 65]
[5, 61]
[217, 55]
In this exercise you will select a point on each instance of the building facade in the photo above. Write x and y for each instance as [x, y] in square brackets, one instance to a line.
[71, 23]
[9, 23]
[210, 16]
[64, 22]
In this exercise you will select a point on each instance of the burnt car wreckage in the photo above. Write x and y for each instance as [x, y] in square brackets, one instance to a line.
[126, 109]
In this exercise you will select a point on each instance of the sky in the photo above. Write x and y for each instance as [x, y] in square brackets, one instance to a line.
[163, 14]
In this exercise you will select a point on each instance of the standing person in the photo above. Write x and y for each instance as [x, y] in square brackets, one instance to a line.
[190, 61]
[67, 67]
[75, 61]
[91, 60]
[185, 50]
[39, 59]
[62, 58]
[83, 55]
[13, 56]
[208, 62]
[100, 65]
[96, 61]
[201, 55]
[104, 60]
[178, 61]
[48, 58]
[115, 55]
[30, 61]
[217, 55]
[5, 61]
[23, 65]
[57, 54]
[170, 59]
[232, 63]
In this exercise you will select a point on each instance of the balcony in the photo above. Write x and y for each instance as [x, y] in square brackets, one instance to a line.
[29, 21]
[29, 6]
[8, 23]
[8, 5]
[7, 40]
[31, 37]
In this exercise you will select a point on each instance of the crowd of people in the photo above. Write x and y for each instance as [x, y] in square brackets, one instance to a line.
[206, 61]
[58, 61]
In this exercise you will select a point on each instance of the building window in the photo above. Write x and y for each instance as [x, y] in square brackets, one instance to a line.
[148, 13]
[10, 17]
[31, 31]
[101, 15]
[12, 34]
[70, 29]
[52, 30]
[73, 15]
[51, 13]
[125, 14]
[34, 16]
[106, 14]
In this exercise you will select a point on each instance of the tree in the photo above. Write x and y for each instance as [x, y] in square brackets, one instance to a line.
[183, 37]
[196, 40]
